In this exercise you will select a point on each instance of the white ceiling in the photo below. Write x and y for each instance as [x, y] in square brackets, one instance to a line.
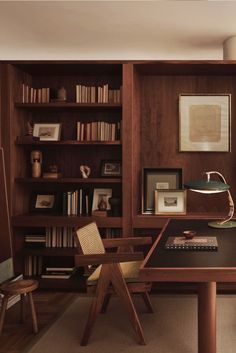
[115, 29]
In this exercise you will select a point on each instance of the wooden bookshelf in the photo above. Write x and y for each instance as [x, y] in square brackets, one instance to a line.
[149, 117]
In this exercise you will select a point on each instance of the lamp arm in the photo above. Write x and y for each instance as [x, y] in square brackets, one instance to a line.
[230, 199]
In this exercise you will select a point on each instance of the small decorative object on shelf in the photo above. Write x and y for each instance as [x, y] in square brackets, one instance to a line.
[102, 204]
[30, 128]
[85, 171]
[61, 94]
[115, 206]
[36, 161]
[52, 172]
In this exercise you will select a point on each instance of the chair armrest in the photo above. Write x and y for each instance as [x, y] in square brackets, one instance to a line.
[98, 259]
[131, 241]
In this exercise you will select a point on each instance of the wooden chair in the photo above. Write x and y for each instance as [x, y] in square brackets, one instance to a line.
[118, 272]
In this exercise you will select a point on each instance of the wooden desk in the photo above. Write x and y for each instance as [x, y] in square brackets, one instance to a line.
[205, 267]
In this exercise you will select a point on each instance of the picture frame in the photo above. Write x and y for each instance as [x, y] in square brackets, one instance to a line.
[42, 202]
[47, 132]
[205, 122]
[98, 194]
[158, 178]
[111, 168]
[170, 202]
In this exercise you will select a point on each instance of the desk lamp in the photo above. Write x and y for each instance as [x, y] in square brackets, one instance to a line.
[209, 186]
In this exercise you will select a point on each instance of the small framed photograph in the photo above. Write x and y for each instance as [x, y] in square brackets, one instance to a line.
[100, 199]
[170, 202]
[44, 202]
[47, 132]
[161, 179]
[204, 121]
[110, 168]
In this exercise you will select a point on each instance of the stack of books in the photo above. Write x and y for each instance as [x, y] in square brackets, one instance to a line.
[13, 298]
[58, 272]
[35, 240]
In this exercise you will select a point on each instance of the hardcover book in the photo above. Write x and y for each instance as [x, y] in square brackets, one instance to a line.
[197, 243]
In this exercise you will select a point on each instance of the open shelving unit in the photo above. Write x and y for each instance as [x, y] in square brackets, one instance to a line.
[149, 118]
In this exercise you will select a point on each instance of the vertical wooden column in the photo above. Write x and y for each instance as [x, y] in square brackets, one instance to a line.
[127, 142]
[207, 317]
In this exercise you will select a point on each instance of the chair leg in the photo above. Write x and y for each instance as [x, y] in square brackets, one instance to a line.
[147, 301]
[122, 291]
[3, 311]
[95, 308]
[33, 313]
[105, 303]
[22, 308]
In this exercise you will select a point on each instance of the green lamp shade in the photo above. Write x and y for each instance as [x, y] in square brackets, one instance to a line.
[211, 185]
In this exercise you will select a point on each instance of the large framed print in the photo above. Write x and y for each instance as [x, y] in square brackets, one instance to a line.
[170, 202]
[158, 178]
[205, 122]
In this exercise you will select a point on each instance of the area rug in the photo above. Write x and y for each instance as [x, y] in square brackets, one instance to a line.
[171, 329]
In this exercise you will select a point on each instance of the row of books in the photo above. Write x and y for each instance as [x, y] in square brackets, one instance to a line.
[35, 95]
[100, 94]
[54, 237]
[77, 202]
[33, 265]
[98, 131]
[13, 298]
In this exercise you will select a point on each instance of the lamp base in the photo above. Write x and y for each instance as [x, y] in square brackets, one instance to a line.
[218, 224]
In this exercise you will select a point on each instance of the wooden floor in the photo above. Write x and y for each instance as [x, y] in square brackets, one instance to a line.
[15, 336]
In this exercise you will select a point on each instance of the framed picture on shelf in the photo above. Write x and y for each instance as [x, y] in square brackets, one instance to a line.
[110, 168]
[158, 178]
[47, 132]
[170, 202]
[204, 121]
[44, 202]
[100, 199]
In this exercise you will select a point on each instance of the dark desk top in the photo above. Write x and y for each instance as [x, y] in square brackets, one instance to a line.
[162, 264]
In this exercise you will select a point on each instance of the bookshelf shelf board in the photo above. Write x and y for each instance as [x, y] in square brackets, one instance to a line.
[70, 180]
[30, 220]
[23, 141]
[52, 251]
[155, 221]
[57, 105]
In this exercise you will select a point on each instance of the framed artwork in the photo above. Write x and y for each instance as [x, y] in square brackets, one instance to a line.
[100, 199]
[47, 132]
[44, 202]
[170, 202]
[158, 178]
[204, 122]
[110, 168]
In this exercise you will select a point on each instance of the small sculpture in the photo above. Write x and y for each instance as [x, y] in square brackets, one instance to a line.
[61, 94]
[102, 204]
[85, 171]
[30, 128]
[36, 161]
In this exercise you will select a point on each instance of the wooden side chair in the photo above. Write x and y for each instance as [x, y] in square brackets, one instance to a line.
[117, 273]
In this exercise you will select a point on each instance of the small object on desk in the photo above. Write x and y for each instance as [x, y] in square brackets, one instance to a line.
[198, 243]
[189, 234]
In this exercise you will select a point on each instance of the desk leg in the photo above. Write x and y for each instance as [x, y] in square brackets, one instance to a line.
[207, 317]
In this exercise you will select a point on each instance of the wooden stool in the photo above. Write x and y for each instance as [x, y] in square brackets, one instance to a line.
[22, 287]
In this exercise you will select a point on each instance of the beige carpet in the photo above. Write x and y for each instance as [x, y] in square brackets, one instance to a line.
[172, 329]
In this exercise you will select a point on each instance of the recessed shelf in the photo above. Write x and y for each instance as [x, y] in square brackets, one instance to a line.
[69, 180]
[56, 105]
[22, 141]
[39, 220]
